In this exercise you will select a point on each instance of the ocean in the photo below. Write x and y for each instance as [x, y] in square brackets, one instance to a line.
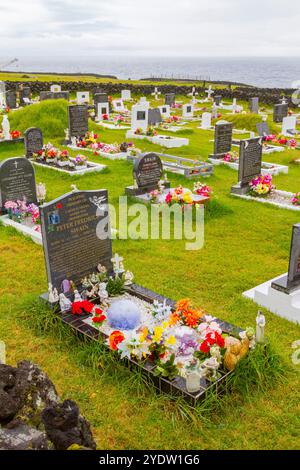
[263, 72]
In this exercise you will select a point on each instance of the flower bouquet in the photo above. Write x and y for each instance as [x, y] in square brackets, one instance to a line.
[63, 158]
[80, 162]
[15, 134]
[202, 189]
[296, 199]
[27, 214]
[119, 119]
[261, 186]
[231, 157]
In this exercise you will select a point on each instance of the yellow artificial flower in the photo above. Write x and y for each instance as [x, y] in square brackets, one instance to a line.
[158, 331]
[187, 198]
[171, 340]
[165, 324]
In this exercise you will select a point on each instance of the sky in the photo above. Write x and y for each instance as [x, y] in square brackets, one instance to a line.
[173, 28]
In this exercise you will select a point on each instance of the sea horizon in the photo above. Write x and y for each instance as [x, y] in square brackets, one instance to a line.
[269, 72]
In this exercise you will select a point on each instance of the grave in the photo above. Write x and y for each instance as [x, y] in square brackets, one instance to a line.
[139, 117]
[193, 95]
[17, 183]
[33, 139]
[280, 112]
[78, 120]
[147, 173]
[209, 93]
[289, 126]
[165, 111]
[11, 99]
[77, 244]
[223, 139]
[263, 129]
[170, 99]
[118, 106]
[217, 100]
[254, 105]
[82, 97]
[156, 93]
[126, 95]
[250, 161]
[102, 109]
[282, 294]
[185, 166]
[154, 117]
[25, 96]
[55, 88]
[58, 95]
[2, 95]
[71, 229]
[206, 121]
[187, 111]
[100, 98]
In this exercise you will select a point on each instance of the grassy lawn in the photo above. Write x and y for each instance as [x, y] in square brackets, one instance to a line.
[246, 243]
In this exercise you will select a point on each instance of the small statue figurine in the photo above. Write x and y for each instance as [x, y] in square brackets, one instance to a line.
[102, 269]
[51, 298]
[41, 192]
[6, 128]
[128, 278]
[67, 134]
[77, 296]
[103, 294]
[73, 141]
[64, 303]
[260, 327]
[55, 295]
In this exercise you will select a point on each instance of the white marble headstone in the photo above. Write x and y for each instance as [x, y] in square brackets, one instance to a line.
[55, 88]
[82, 97]
[206, 121]
[165, 111]
[188, 110]
[118, 105]
[103, 108]
[288, 123]
[126, 95]
[139, 116]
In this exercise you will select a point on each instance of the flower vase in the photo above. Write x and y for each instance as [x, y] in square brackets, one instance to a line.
[193, 382]
[27, 221]
[63, 163]
[80, 167]
[49, 160]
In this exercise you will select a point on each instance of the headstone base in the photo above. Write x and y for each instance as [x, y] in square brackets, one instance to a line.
[240, 189]
[285, 305]
[217, 155]
[134, 191]
[283, 285]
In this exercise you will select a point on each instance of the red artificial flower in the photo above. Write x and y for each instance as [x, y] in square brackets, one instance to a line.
[59, 205]
[205, 347]
[115, 338]
[168, 198]
[98, 311]
[83, 306]
[99, 319]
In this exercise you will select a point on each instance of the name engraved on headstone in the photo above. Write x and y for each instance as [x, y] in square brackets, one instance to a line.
[250, 159]
[76, 235]
[78, 120]
[17, 181]
[148, 170]
[33, 139]
[223, 137]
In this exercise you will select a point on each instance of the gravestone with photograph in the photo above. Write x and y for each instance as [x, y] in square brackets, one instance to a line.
[280, 111]
[17, 181]
[147, 172]
[170, 99]
[82, 97]
[139, 116]
[291, 282]
[102, 109]
[78, 120]
[33, 139]
[55, 88]
[250, 161]
[188, 110]
[165, 111]
[76, 236]
[223, 139]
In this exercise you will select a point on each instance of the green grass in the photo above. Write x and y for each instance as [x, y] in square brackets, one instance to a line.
[246, 243]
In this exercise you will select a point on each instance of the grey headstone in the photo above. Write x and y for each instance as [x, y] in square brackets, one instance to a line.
[280, 112]
[170, 99]
[250, 161]
[263, 129]
[78, 120]
[223, 139]
[100, 98]
[154, 116]
[291, 282]
[217, 99]
[33, 139]
[25, 92]
[57, 95]
[17, 181]
[148, 170]
[72, 228]
[11, 99]
[254, 105]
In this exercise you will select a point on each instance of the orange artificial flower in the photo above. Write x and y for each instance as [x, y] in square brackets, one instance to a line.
[192, 317]
[174, 318]
[182, 304]
[115, 338]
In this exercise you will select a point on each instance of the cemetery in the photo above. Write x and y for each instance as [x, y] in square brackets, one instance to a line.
[145, 323]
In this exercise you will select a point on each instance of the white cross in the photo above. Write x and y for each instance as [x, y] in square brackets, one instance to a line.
[156, 93]
[193, 94]
[209, 92]
[116, 261]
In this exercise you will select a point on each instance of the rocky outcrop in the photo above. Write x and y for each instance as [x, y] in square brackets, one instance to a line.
[31, 415]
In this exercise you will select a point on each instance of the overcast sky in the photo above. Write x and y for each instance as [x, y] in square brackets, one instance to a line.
[150, 27]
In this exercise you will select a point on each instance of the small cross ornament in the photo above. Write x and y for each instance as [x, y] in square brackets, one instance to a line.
[118, 264]
[209, 92]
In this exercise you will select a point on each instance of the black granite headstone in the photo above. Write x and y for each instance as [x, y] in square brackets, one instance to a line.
[33, 138]
[217, 99]
[254, 105]
[280, 112]
[147, 172]
[78, 120]
[11, 99]
[54, 95]
[17, 181]
[223, 139]
[170, 99]
[154, 116]
[100, 98]
[250, 161]
[291, 282]
[76, 235]
[263, 129]
[25, 92]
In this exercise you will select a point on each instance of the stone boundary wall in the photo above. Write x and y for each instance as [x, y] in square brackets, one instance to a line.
[268, 96]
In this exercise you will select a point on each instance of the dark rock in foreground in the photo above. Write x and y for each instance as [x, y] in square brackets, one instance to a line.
[31, 415]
